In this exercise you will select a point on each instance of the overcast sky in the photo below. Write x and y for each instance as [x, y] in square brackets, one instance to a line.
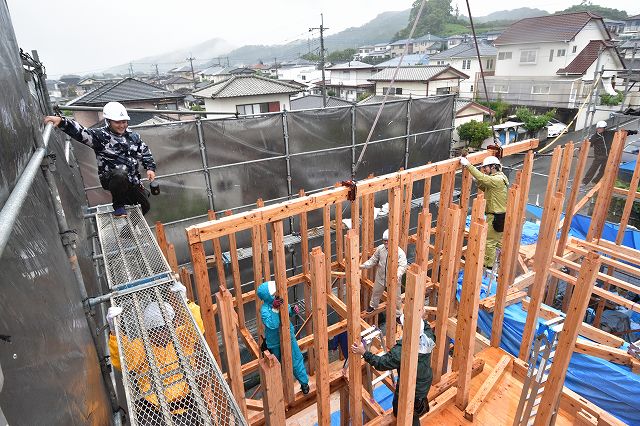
[83, 36]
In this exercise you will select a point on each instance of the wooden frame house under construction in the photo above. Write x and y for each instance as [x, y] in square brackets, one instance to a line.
[480, 382]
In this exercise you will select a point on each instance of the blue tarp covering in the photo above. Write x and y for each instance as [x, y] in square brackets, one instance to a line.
[629, 166]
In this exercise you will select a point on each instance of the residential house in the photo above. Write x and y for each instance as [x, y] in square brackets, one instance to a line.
[55, 89]
[489, 36]
[350, 79]
[456, 39]
[88, 84]
[465, 58]
[217, 73]
[407, 60]
[428, 44]
[130, 92]
[631, 27]
[70, 79]
[316, 101]
[299, 70]
[419, 81]
[247, 95]
[550, 62]
[397, 47]
[178, 82]
[467, 110]
[375, 51]
[614, 27]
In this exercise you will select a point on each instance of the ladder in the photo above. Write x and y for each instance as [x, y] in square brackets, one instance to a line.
[368, 336]
[169, 374]
[540, 361]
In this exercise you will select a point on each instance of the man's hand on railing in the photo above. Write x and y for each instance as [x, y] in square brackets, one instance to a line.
[53, 119]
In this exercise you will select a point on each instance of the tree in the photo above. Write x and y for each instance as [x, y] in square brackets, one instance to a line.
[474, 132]
[605, 12]
[313, 57]
[500, 107]
[533, 122]
[341, 55]
[435, 15]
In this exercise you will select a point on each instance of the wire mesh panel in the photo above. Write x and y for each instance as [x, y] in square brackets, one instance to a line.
[169, 374]
[129, 249]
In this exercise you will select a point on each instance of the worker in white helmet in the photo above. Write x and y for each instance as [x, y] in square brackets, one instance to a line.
[601, 144]
[119, 152]
[494, 184]
[379, 259]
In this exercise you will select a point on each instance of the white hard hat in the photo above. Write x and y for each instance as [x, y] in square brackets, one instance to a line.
[115, 111]
[601, 124]
[271, 285]
[421, 323]
[490, 160]
[152, 315]
[385, 235]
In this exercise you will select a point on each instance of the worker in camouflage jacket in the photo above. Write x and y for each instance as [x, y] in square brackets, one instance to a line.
[495, 185]
[391, 361]
[119, 152]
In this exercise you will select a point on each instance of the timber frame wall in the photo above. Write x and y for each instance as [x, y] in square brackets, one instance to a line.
[439, 257]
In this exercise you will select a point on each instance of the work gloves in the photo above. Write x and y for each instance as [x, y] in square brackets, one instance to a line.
[179, 289]
[112, 313]
[277, 302]
[464, 161]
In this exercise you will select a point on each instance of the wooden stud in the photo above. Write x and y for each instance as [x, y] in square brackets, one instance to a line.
[465, 193]
[353, 325]
[201, 277]
[280, 274]
[392, 264]
[185, 279]
[406, 213]
[264, 240]
[271, 382]
[235, 270]
[468, 311]
[304, 239]
[414, 300]
[545, 248]
[446, 285]
[565, 168]
[446, 192]
[567, 339]
[344, 407]
[423, 237]
[319, 291]
[339, 235]
[161, 238]
[426, 192]
[256, 257]
[489, 384]
[326, 226]
[231, 348]
[355, 215]
[171, 258]
[217, 252]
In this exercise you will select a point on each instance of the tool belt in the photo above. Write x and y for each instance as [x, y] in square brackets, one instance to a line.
[498, 221]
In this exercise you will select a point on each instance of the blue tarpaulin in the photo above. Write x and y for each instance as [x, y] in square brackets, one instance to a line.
[629, 166]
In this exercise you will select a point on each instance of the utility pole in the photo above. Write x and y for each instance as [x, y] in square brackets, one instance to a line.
[324, 85]
[130, 69]
[275, 65]
[157, 72]
[193, 74]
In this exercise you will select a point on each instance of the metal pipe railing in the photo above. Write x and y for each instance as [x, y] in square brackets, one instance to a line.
[153, 111]
[12, 207]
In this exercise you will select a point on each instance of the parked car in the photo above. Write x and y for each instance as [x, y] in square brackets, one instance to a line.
[631, 148]
[555, 127]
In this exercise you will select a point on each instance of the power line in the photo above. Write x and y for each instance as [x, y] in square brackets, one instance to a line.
[324, 84]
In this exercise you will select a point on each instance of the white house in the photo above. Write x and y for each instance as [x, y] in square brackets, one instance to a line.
[419, 81]
[300, 71]
[550, 61]
[373, 51]
[247, 95]
[455, 40]
[467, 110]
[350, 79]
[428, 44]
[464, 57]
[631, 27]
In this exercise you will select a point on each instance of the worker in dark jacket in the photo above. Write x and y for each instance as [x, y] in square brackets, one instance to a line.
[391, 361]
[601, 143]
[119, 151]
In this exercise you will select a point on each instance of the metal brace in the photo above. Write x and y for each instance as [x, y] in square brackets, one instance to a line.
[353, 187]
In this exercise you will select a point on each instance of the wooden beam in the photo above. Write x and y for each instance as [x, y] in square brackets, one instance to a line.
[617, 356]
[280, 274]
[414, 300]
[203, 288]
[544, 254]
[339, 234]
[231, 348]
[171, 258]
[353, 325]
[161, 238]
[235, 271]
[185, 279]
[407, 191]
[319, 292]
[392, 264]
[217, 252]
[567, 339]
[446, 285]
[468, 310]
[271, 382]
[212, 229]
[264, 240]
[304, 238]
[489, 384]
[256, 258]
[326, 227]
[446, 192]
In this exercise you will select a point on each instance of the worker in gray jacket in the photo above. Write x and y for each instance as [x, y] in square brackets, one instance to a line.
[379, 259]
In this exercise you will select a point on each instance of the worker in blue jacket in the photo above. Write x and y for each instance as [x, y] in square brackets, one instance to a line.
[270, 314]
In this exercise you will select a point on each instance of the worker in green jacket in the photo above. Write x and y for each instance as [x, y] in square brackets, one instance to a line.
[495, 185]
[391, 361]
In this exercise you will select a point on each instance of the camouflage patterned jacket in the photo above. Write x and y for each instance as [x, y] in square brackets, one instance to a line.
[112, 150]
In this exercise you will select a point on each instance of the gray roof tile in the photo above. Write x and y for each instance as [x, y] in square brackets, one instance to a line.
[466, 50]
[245, 85]
[549, 28]
[419, 73]
[127, 89]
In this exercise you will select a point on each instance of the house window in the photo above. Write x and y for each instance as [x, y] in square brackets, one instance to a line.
[466, 64]
[392, 90]
[500, 88]
[439, 62]
[471, 88]
[551, 55]
[575, 48]
[528, 56]
[540, 89]
[304, 77]
[251, 109]
[505, 55]
[561, 52]
[489, 63]
[443, 90]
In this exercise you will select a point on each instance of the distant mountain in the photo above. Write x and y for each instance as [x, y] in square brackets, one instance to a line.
[510, 15]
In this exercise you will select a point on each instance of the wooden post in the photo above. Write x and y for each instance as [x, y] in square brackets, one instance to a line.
[426, 193]
[523, 199]
[282, 290]
[468, 310]
[446, 285]
[392, 264]
[256, 258]
[446, 192]
[407, 188]
[508, 245]
[367, 220]
[231, 348]
[271, 382]
[319, 291]
[355, 215]
[185, 279]
[304, 247]
[465, 193]
[217, 252]
[567, 338]
[161, 238]
[344, 406]
[545, 248]
[326, 226]
[423, 238]
[171, 258]
[264, 240]
[235, 270]
[353, 326]
[339, 234]
[573, 196]
[414, 301]
[565, 168]
[201, 277]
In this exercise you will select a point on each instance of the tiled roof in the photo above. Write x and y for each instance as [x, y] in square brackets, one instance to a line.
[420, 73]
[401, 42]
[631, 18]
[414, 59]
[376, 99]
[315, 101]
[429, 37]
[350, 66]
[462, 104]
[549, 28]
[466, 50]
[127, 89]
[585, 58]
[245, 85]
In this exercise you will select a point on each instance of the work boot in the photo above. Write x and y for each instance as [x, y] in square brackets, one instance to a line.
[369, 309]
[305, 388]
[119, 212]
